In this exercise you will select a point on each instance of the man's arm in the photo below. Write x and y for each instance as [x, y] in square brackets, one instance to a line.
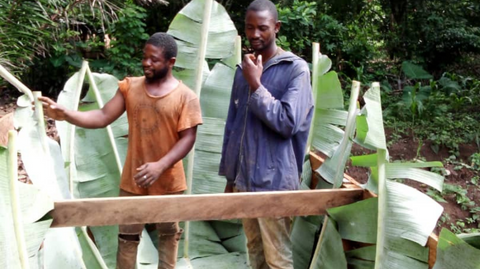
[92, 119]
[148, 173]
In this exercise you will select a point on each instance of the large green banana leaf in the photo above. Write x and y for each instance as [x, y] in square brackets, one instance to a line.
[44, 164]
[325, 86]
[21, 207]
[329, 252]
[201, 34]
[329, 112]
[406, 217]
[329, 138]
[333, 168]
[332, 171]
[460, 251]
[394, 221]
[95, 156]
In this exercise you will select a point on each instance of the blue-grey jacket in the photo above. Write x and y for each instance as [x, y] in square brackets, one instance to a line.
[266, 131]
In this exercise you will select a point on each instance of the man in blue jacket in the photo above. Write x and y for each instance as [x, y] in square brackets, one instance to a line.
[266, 133]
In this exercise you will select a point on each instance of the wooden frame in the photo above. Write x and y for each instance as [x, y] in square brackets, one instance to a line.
[169, 208]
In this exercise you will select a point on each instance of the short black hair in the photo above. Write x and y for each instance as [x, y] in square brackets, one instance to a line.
[261, 5]
[165, 42]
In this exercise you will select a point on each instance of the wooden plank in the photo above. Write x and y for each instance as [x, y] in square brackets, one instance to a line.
[169, 208]
[316, 161]
[432, 250]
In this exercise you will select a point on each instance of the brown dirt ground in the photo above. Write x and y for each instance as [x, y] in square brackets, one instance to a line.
[405, 148]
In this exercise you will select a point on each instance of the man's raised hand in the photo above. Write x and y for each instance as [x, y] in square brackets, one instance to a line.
[52, 109]
[252, 68]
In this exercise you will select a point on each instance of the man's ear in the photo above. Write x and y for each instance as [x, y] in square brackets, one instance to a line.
[172, 61]
[277, 26]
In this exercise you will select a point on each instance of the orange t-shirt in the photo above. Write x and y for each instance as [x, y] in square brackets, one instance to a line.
[154, 124]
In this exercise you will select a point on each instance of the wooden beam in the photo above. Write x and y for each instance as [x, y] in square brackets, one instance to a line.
[169, 208]
[316, 161]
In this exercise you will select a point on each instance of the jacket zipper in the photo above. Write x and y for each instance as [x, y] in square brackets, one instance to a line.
[240, 153]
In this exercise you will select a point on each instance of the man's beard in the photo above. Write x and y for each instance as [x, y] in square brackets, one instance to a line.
[158, 75]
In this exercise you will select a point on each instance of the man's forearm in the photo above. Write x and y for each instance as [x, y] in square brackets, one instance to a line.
[87, 119]
[180, 149]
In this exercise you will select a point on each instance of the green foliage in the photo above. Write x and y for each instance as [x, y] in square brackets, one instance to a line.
[414, 71]
[127, 38]
[437, 110]
[44, 41]
[440, 131]
[461, 93]
[416, 101]
[21, 36]
[475, 159]
[435, 32]
[414, 97]
[298, 23]
[340, 37]
[460, 195]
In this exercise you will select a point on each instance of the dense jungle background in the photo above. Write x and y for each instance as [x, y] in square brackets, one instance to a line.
[425, 54]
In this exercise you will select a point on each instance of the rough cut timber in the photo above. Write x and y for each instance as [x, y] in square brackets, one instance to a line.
[169, 208]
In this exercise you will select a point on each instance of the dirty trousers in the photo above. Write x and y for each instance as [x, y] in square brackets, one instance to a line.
[268, 242]
[168, 236]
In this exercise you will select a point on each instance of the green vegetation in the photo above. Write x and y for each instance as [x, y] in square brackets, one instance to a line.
[424, 53]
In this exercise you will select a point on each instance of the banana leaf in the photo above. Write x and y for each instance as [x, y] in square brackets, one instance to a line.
[21, 208]
[336, 143]
[361, 258]
[394, 221]
[455, 252]
[303, 241]
[94, 170]
[333, 168]
[354, 217]
[305, 228]
[329, 253]
[320, 65]
[193, 31]
[44, 164]
[329, 138]
[329, 111]
[332, 171]
[406, 217]
[472, 239]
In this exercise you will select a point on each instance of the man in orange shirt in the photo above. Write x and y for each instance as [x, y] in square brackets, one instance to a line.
[163, 115]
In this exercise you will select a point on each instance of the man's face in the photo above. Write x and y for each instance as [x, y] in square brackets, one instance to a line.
[260, 29]
[155, 66]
